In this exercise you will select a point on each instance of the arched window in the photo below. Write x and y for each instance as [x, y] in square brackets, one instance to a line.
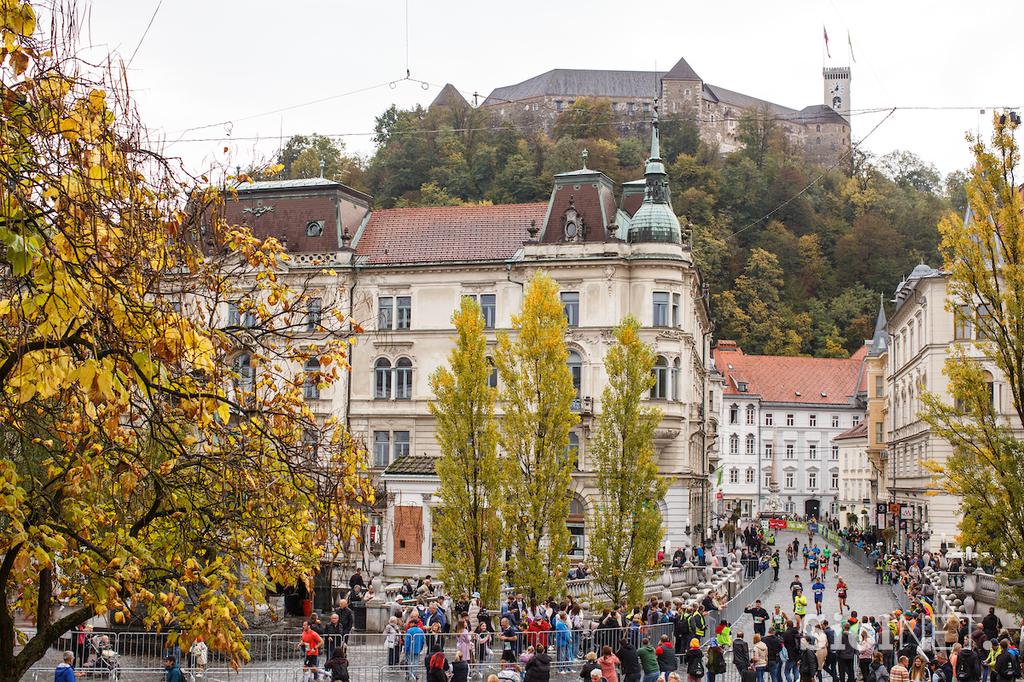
[660, 389]
[492, 378]
[734, 414]
[382, 379]
[990, 387]
[750, 444]
[403, 379]
[576, 523]
[572, 450]
[576, 370]
[734, 444]
[242, 365]
[677, 370]
[310, 383]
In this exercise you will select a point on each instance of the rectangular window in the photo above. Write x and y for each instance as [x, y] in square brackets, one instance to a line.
[233, 318]
[769, 450]
[984, 323]
[878, 432]
[660, 318]
[812, 480]
[385, 312]
[750, 445]
[769, 419]
[750, 416]
[812, 420]
[767, 479]
[677, 320]
[835, 480]
[962, 323]
[734, 476]
[403, 312]
[789, 451]
[789, 479]
[489, 309]
[381, 448]
[401, 444]
[571, 307]
[879, 386]
[789, 420]
[835, 452]
[856, 420]
[750, 476]
[734, 414]
[314, 314]
[835, 421]
[812, 451]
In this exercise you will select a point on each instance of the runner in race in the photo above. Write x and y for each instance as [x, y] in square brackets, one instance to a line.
[841, 592]
[819, 593]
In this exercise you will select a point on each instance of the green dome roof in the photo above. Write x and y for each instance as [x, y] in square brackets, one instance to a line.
[655, 221]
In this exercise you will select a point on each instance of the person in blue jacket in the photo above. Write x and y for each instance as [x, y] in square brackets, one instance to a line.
[414, 642]
[65, 671]
[563, 641]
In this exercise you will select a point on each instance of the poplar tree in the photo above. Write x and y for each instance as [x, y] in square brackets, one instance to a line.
[537, 394]
[627, 524]
[468, 527]
[984, 257]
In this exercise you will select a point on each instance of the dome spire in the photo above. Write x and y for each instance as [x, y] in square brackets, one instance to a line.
[654, 221]
[654, 164]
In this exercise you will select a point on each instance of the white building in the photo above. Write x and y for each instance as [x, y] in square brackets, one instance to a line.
[778, 418]
[403, 272]
[856, 476]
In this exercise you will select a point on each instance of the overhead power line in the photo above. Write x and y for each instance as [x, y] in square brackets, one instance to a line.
[842, 158]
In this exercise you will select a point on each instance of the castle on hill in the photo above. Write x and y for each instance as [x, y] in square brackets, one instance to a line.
[820, 131]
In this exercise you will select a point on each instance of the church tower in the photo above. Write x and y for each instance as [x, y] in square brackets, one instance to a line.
[837, 89]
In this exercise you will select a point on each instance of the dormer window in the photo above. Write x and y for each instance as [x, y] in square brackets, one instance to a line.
[314, 228]
[741, 386]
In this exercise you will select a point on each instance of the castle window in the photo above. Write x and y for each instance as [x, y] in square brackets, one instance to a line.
[817, 128]
[558, 105]
[647, 107]
[819, 139]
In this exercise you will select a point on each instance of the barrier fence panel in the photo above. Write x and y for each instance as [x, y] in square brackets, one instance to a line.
[733, 611]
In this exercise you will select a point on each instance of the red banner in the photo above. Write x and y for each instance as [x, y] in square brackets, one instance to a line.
[777, 524]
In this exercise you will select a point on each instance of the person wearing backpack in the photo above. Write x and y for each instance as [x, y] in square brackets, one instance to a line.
[716, 661]
[968, 665]
[1007, 666]
[337, 664]
[694, 662]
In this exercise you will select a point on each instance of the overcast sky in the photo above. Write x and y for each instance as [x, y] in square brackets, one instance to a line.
[207, 61]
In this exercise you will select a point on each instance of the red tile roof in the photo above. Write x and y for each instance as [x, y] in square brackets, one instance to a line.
[820, 381]
[447, 233]
[858, 431]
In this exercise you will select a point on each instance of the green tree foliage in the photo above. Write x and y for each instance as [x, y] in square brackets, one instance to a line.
[586, 118]
[537, 393]
[626, 522]
[302, 156]
[468, 531]
[985, 259]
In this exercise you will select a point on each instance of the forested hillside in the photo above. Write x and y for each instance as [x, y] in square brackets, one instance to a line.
[805, 280]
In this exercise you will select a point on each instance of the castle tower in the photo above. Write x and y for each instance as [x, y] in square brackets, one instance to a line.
[837, 89]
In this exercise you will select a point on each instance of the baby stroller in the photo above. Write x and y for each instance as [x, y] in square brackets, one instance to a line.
[107, 662]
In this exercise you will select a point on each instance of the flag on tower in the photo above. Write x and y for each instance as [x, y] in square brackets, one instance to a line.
[825, 31]
[849, 41]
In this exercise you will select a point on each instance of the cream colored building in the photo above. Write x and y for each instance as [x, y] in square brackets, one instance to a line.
[855, 476]
[923, 332]
[403, 272]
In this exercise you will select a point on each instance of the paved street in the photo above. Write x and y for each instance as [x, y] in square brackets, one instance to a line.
[863, 595]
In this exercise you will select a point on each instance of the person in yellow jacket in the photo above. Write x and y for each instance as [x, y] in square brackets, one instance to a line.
[800, 607]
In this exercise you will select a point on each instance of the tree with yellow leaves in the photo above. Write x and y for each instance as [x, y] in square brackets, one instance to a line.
[467, 531]
[984, 256]
[158, 462]
[627, 519]
[537, 395]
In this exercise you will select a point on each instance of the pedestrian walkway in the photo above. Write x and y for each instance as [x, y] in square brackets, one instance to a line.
[863, 595]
